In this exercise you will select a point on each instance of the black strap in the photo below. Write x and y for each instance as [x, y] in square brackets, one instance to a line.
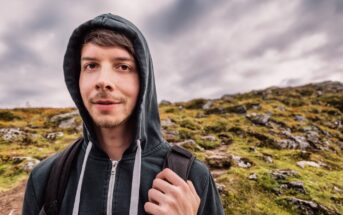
[180, 161]
[58, 178]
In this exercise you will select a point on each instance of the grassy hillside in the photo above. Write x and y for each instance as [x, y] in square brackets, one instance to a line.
[274, 151]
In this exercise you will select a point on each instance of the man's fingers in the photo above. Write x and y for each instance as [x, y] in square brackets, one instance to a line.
[162, 185]
[155, 196]
[151, 208]
[171, 177]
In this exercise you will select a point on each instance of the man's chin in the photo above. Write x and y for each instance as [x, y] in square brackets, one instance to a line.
[109, 123]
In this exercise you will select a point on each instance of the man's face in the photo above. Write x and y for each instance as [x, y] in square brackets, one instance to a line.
[109, 84]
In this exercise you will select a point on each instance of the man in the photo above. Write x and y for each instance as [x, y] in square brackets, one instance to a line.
[109, 74]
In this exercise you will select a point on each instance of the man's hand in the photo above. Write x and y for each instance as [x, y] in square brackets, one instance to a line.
[171, 195]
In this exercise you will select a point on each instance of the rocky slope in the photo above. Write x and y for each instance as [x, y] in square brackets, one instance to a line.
[273, 151]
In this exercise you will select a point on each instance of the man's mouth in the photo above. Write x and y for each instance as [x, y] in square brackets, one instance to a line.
[106, 102]
[106, 105]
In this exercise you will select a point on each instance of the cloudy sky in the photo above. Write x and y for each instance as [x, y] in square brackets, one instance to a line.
[200, 48]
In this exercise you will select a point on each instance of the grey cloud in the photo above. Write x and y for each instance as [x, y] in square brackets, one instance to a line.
[180, 37]
[178, 17]
[311, 17]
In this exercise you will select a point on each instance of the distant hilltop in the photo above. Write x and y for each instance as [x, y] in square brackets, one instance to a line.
[272, 151]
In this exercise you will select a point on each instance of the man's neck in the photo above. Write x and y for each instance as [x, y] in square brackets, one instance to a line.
[114, 141]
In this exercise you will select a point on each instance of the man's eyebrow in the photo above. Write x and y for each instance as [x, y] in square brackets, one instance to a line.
[89, 58]
[122, 59]
[113, 59]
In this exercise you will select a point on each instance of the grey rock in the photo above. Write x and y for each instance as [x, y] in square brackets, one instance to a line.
[252, 176]
[259, 119]
[240, 109]
[221, 188]
[299, 118]
[293, 142]
[209, 138]
[64, 116]
[219, 161]
[302, 143]
[241, 162]
[166, 123]
[337, 189]
[207, 105]
[11, 134]
[27, 163]
[68, 123]
[287, 144]
[303, 164]
[268, 159]
[189, 144]
[296, 185]
[309, 207]
[283, 173]
[66, 120]
[54, 135]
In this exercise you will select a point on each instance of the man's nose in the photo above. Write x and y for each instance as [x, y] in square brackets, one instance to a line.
[105, 80]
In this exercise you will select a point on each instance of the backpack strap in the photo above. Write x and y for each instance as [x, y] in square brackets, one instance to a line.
[58, 178]
[179, 160]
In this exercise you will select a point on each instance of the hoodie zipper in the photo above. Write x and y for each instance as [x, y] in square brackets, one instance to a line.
[111, 187]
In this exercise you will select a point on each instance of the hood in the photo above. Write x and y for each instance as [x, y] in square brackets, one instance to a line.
[147, 133]
[146, 113]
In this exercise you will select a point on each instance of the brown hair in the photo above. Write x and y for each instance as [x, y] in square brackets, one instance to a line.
[106, 37]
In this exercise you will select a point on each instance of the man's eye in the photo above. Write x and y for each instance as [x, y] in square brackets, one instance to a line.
[90, 66]
[124, 67]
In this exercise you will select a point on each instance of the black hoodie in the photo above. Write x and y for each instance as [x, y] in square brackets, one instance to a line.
[93, 188]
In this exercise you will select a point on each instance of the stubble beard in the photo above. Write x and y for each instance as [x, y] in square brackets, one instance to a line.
[109, 123]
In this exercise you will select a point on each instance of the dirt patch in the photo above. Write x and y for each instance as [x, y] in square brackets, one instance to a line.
[11, 201]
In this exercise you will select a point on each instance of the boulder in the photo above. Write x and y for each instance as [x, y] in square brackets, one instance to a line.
[209, 138]
[241, 162]
[189, 144]
[66, 120]
[64, 116]
[303, 164]
[207, 105]
[53, 135]
[221, 188]
[308, 207]
[252, 176]
[293, 142]
[259, 119]
[68, 123]
[26, 163]
[295, 185]
[12, 134]
[219, 161]
[268, 158]
[281, 174]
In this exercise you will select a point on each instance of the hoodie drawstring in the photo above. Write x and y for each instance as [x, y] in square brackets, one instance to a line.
[79, 184]
[136, 179]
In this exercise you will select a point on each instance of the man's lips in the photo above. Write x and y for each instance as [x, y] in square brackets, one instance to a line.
[106, 102]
